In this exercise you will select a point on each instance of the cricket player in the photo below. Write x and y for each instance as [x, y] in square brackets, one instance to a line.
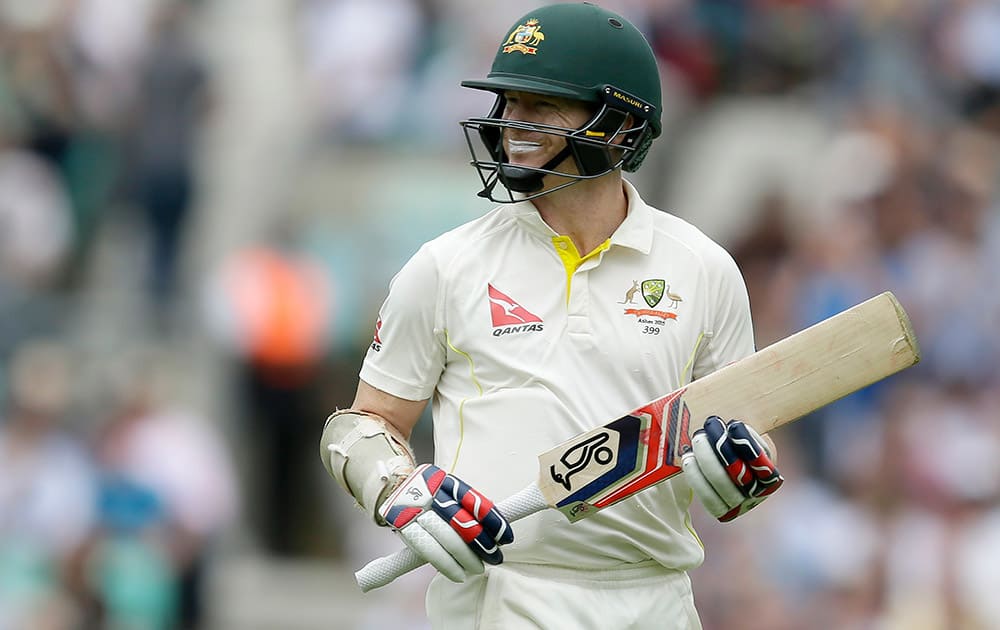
[570, 303]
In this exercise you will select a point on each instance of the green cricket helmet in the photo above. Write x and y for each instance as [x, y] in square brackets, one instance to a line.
[577, 51]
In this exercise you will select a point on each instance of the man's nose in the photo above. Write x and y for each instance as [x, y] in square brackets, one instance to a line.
[517, 111]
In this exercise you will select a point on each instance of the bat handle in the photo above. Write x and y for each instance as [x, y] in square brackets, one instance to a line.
[384, 570]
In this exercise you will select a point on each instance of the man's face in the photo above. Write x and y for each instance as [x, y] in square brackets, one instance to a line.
[535, 148]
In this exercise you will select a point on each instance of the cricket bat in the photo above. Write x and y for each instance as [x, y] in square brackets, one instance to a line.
[774, 386]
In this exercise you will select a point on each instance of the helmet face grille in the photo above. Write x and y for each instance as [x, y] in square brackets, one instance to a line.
[597, 148]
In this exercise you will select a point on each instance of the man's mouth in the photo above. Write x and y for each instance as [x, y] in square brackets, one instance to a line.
[519, 147]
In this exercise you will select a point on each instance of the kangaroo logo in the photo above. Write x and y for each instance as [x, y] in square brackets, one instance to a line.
[630, 294]
[508, 316]
[579, 457]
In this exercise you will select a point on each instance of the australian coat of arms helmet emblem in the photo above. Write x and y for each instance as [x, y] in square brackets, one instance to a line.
[525, 38]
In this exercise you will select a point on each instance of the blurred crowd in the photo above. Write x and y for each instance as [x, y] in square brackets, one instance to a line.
[838, 148]
[112, 490]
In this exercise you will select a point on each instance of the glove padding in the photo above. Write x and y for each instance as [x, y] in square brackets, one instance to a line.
[729, 467]
[448, 523]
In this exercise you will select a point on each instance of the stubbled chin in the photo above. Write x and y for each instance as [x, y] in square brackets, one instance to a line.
[527, 163]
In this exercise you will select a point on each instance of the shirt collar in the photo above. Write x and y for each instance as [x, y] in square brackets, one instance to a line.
[635, 232]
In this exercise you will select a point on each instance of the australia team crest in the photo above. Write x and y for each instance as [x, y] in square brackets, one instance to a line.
[525, 38]
[661, 304]
[652, 291]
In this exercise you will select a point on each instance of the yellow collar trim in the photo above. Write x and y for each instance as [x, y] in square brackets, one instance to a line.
[571, 258]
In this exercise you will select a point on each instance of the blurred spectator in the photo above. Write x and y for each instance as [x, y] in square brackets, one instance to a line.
[168, 492]
[269, 305]
[358, 58]
[110, 40]
[104, 43]
[35, 220]
[35, 75]
[36, 231]
[35, 242]
[47, 492]
[970, 59]
[40, 98]
[163, 140]
[764, 253]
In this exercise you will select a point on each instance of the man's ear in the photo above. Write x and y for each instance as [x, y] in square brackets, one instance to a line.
[630, 123]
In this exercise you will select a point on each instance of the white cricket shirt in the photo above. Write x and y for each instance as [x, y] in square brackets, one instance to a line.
[522, 344]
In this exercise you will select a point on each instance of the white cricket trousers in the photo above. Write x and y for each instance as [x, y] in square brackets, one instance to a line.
[645, 596]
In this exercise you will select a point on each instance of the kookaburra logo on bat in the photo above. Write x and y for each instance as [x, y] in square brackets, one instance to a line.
[579, 457]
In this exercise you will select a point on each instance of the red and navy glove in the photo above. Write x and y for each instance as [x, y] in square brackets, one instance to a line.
[730, 468]
[447, 522]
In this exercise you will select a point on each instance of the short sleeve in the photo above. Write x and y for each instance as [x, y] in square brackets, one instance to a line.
[729, 327]
[407, 353]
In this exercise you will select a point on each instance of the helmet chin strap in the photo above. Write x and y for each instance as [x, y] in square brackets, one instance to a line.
[529, 180]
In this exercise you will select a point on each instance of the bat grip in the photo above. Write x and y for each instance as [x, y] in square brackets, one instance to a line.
[384, 570]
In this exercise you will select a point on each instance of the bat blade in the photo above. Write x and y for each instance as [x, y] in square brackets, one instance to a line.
[774, 386]
[767, 389]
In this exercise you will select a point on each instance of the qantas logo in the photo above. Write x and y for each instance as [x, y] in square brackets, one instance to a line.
[377, 341]
[509, 316]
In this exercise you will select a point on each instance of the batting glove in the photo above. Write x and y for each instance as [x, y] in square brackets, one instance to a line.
[729, 467]
[446, 522]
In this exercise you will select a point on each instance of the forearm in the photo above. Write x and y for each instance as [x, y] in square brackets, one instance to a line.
[367, 456]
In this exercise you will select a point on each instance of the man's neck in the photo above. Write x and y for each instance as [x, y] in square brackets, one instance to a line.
[588, 212]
